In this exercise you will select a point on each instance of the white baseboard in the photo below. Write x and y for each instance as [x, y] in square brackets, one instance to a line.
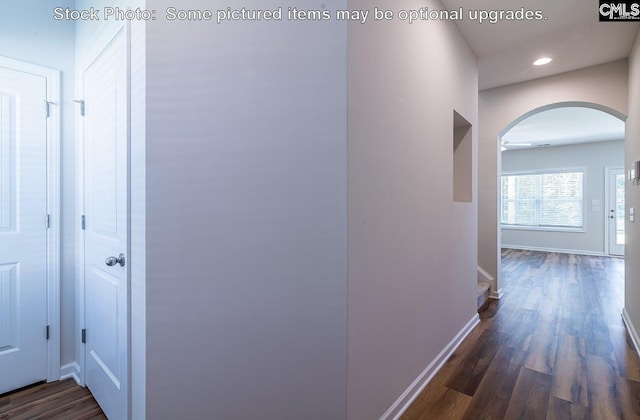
[496, 295]
[70, 370]
[557, 250]
[631, 329]
[411, 393]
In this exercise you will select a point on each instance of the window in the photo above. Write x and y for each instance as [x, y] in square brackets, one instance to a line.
[545, 200]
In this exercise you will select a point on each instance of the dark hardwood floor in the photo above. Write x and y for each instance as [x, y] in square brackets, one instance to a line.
[554, 347]
[55, 400]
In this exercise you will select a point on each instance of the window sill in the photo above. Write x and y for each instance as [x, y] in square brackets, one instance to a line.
[544, 228]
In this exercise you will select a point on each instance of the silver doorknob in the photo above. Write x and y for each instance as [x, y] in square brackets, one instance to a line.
[111, 261]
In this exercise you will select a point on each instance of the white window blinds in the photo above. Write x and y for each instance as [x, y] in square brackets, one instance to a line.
[551, 199]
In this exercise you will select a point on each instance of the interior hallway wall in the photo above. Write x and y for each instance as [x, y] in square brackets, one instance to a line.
[412, 249]
[28, 33]
[246, 217]
[632, 194]
[605, 84]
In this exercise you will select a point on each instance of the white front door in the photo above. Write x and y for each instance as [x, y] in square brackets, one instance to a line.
[616, 210]
[105, 133]
[23, 229]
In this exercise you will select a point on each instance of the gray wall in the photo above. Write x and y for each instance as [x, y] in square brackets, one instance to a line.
[28, 33]
[594, 157]
[246, 196]
[412, 250]
[246, 189]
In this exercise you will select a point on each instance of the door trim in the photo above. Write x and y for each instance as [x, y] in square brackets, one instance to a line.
[607, 199]
[53, 206]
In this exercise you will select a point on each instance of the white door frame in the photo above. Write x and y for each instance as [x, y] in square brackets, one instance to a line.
[607, 198]
[53, 206]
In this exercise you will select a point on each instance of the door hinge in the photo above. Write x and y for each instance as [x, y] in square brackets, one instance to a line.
[81, 102]
[83, 220]
[48, 328]
[84, 335]
[47, 108]
[48, 221]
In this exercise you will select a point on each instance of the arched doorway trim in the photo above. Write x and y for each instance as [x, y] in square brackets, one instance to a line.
[496, 287]
[574, 104]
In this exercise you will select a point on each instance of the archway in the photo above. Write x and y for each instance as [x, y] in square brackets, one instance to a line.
[593, 207]
[573, 104]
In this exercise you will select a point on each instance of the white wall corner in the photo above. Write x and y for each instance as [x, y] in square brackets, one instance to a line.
[631, 329]
[70, 370]
[410, 394]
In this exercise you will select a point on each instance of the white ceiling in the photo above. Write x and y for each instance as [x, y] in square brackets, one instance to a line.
[563, 126]
[570, 34]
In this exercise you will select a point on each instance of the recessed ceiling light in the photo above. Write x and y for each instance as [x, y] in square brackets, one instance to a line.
[542, 61]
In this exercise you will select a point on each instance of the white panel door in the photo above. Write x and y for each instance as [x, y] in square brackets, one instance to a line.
[23, 229]
[616, 212]
[106, 208]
